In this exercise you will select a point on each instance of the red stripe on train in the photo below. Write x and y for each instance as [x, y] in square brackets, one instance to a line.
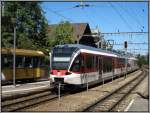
[59, 72]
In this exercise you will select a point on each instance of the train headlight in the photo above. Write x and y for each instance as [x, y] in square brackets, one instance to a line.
[68, 73]
[51, 72]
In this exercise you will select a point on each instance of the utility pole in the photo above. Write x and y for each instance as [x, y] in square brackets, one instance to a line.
[125, 46]
[14, 51]
[14, 58]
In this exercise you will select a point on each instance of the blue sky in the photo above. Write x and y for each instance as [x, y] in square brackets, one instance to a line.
[108, 16]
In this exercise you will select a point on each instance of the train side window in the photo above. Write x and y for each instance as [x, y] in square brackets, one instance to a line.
[7, 61]
[36, 62]
[96, 62]
[2, 61]
[41, 62]
[107, 64]
[76, 64]
[28, 62]
[19, 61]
[89, 61]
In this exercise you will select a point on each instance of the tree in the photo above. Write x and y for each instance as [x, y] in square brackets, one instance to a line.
[61, 34]
[142, 60]
[30, 22]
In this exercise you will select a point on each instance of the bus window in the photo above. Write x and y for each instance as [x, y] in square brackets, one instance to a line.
[19, 62]
[28, 62]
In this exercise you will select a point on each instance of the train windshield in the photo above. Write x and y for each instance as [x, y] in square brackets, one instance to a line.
[61, 57]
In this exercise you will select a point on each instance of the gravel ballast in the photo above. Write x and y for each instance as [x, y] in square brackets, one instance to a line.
[76, 102]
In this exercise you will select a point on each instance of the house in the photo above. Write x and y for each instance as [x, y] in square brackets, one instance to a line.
[81, 33]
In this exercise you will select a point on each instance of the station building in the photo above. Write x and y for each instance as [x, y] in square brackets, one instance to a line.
[82, 33]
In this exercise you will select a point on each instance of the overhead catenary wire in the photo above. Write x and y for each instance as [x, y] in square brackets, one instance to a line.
[74, 7]
[66, 9]
[120, 15]
[135, 43]
[125, 33]
[136, 17]
[57, 13]
[132, 17]
[136, 49]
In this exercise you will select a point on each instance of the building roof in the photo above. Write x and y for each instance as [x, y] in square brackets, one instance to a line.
[79, 29]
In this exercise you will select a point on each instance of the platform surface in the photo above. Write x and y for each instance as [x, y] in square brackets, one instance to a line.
[138, 105]
[24, 88]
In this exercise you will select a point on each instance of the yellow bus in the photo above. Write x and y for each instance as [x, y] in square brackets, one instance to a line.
[29, 64]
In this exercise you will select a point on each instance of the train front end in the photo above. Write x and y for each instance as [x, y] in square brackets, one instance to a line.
[62, 58]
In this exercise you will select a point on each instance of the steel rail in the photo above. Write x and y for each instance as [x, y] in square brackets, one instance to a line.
[31, 100]
[108, 102]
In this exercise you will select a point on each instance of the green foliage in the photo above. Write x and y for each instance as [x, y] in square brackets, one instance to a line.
[142, 60]
[61, 34]
[30, 23]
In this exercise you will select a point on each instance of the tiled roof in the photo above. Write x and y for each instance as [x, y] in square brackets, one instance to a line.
[78, 29]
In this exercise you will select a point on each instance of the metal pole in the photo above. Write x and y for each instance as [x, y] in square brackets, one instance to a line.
[113, 76]
[126, 63]
[50, 67]
[102, 70]
[87, 83]
[59, 92]
[14, 58]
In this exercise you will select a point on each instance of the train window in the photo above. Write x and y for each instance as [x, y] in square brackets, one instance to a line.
[7, 61]
[76, 64]
[19, 61]
[2, 61]
[36, 62]
[90, 61]
[42, 62]
[96, 62]
[107, 64]
[63, 52]
[60, 65]
[61, 57]
[28, 62]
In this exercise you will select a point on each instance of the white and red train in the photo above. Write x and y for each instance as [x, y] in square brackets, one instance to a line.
[76, 64]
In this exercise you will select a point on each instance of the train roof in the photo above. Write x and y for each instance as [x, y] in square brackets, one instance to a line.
[80, 46]
[23, 52]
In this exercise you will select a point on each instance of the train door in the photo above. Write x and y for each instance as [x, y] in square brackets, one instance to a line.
[29, 67]
[113, 66]
[7, 67]
[20, 70]
[84, 69]
[100, 66]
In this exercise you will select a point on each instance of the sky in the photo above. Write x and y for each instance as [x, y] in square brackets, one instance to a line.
[109, 17]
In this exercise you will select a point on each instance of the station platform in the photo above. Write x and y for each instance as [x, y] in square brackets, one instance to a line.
[20, 89]
[138, 105]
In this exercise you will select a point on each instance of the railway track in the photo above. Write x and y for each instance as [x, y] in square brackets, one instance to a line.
[110, 101]
[23, 102]
[29, 100]
[16, 104]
